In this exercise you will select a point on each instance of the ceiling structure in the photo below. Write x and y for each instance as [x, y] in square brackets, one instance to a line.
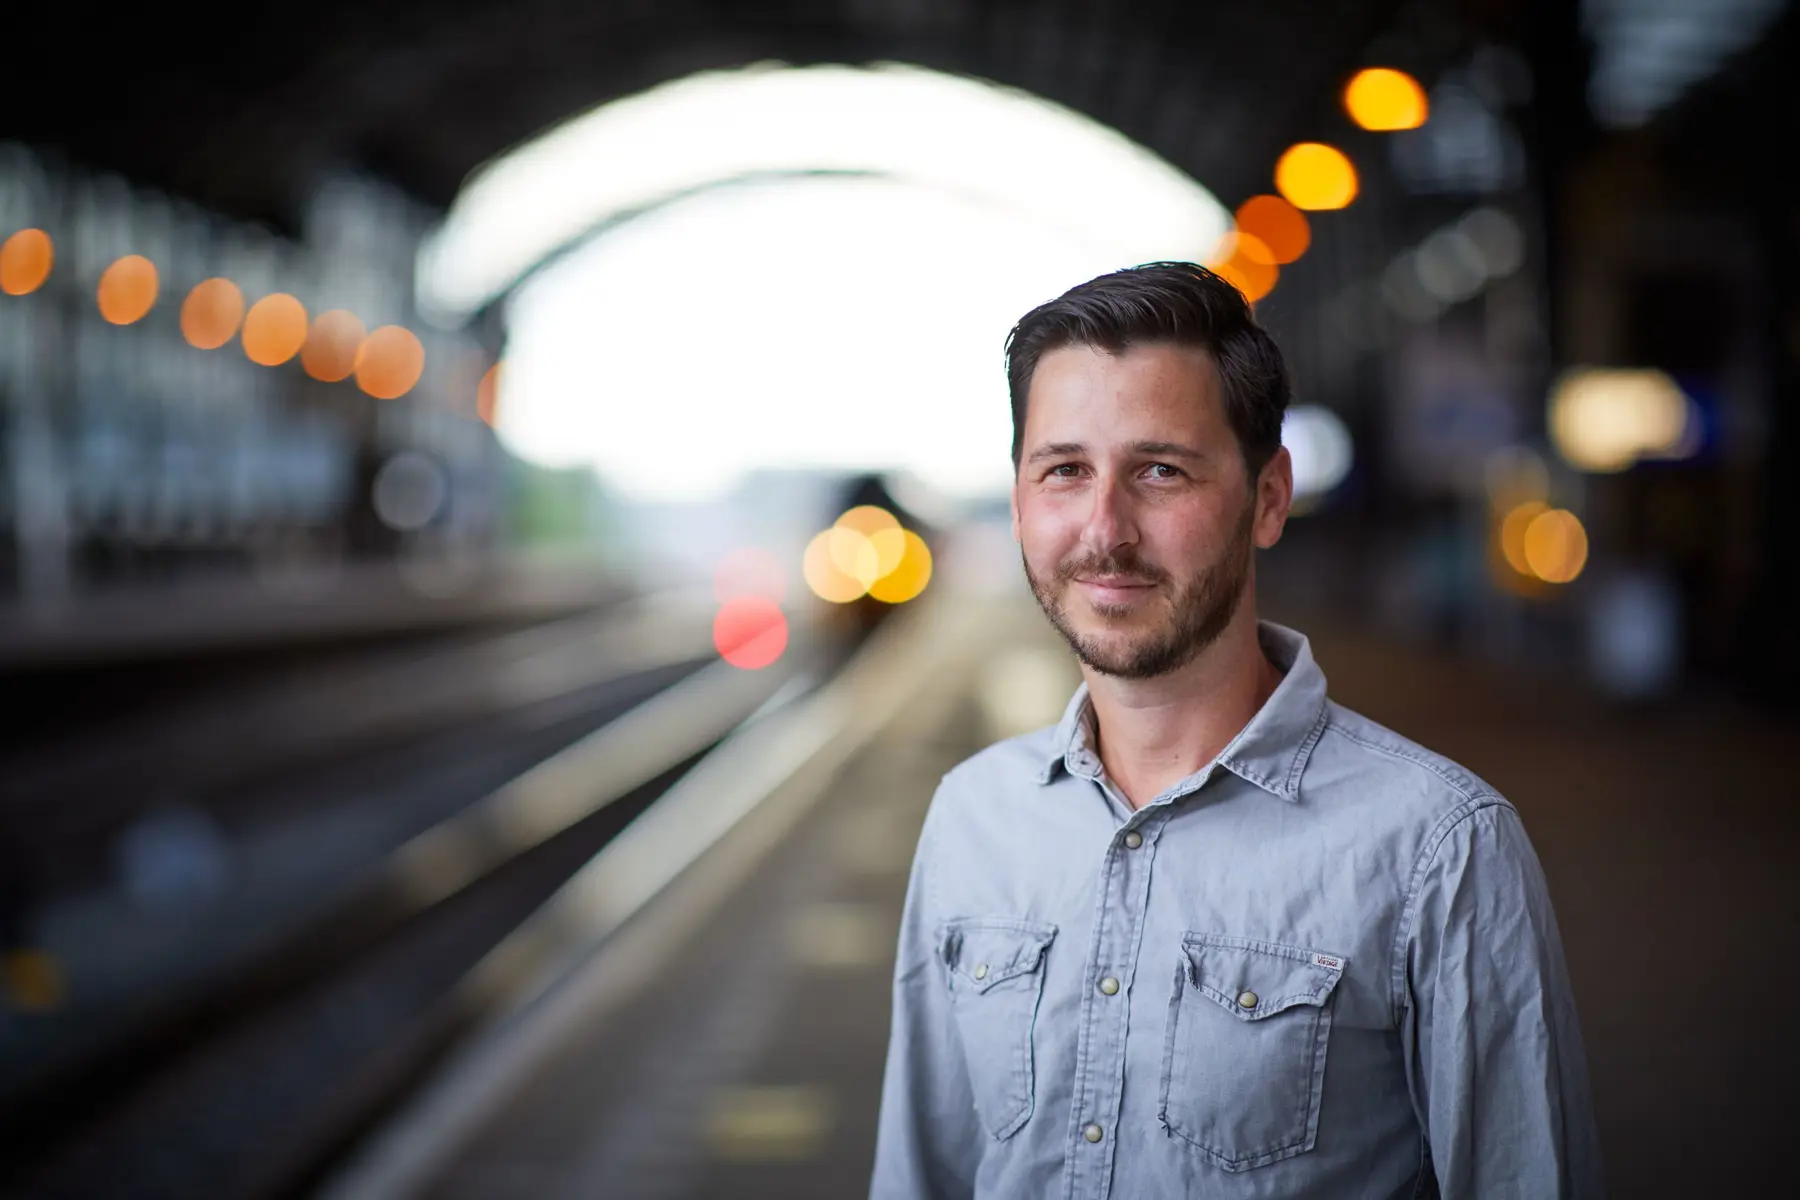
[242, 110]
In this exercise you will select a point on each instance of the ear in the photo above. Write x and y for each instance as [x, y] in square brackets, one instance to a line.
[1013, 503]
[1274, 498]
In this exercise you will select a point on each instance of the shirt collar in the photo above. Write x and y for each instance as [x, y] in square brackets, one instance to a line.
[1271, 751]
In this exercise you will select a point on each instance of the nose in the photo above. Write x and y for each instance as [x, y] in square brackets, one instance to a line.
[1110, 522]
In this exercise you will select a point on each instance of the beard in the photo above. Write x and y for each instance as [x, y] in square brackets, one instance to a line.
[1200, 607]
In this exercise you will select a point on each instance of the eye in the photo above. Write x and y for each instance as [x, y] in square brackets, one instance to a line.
[1163, 471]
[1065, 470]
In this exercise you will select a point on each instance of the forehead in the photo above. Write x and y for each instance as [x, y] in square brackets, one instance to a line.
[1155, 391]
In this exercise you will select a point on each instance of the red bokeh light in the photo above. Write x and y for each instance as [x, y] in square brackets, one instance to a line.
[750, 632]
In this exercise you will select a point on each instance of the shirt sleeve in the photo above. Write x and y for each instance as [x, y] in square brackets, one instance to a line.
[1494, 1054]
[928, 1143]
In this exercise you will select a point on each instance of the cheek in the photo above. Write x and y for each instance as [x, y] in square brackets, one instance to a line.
[1190, 534]
[1047, 531]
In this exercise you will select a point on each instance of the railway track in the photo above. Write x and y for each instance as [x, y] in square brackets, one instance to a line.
[243, 1054]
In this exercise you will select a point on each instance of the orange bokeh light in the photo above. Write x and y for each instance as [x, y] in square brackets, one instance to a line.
[391, 361]
[750, 632]
[885, 540]
[1556, 546]
[1277, 224]
[25, 261]
[909, 578]
[1383, 99]
[331, 345]
[274, 329]
[487, 394]
[127, 289]
[1248, 264]
[211, 313]
[1512, 534]
[828, 581]
[1315, 176]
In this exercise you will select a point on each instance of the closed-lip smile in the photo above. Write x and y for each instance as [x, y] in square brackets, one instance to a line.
[1115, 587]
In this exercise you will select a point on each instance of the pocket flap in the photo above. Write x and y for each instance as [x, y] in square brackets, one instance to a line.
[982, 952]
[1253, 980]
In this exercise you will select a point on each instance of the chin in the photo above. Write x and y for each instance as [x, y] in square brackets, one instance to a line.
[1108, 618]
[1111, 642]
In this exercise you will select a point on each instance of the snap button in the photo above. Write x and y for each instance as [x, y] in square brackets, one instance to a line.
[1133, 840]
[1110, 986]
[1247, 999]
[1092, 1133]
[981, 973]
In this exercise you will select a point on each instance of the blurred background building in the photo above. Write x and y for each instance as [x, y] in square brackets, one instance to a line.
[412, 389]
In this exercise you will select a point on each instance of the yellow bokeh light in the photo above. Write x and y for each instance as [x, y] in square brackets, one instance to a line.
[826, 579]
[1555, 546]
[1248, 264]
[1315, 176]
[211, 313]
[1605, 419]
[868, 519]
[1383, 100]
[331, 345]
[127, 289]
[25, 261]
[853, 554]
[274, 329]
[883, 531]
[1512, 534]
[391, 361]
[909, 578]
[1277, 224]
[867, 553]
[890, 549]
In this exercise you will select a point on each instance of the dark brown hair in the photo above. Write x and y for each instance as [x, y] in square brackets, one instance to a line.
[1177, 303]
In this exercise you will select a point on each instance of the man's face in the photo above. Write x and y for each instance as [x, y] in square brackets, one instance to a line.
[1132, 506]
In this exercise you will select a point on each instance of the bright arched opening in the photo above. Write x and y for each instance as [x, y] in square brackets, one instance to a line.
[784, 267]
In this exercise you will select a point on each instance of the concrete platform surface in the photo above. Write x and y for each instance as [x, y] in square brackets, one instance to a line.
[751, 1067]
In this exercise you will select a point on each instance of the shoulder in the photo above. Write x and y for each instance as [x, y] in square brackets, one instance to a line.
[1003, 768]
[990, 783]
[1358, 757]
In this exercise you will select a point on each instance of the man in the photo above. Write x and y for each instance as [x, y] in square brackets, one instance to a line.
[1212, 935]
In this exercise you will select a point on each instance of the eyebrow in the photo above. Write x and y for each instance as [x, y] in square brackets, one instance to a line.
[1165, 449]
[1160, 449]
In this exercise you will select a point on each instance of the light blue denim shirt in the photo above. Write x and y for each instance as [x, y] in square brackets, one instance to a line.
[1324, 965]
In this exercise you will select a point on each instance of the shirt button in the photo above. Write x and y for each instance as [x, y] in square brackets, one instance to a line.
[981, 973]
[1110, 986]
[1133, 840]
[1092, 1133]
[1247, 999]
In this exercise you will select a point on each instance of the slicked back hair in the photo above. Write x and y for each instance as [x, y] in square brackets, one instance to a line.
[1168, 303]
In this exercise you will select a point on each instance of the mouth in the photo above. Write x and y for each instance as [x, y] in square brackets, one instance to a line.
[1114, 589]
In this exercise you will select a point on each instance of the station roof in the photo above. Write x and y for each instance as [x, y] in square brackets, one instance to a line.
[240, 109]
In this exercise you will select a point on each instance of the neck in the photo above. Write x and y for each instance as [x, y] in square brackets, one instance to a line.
[1155, 732]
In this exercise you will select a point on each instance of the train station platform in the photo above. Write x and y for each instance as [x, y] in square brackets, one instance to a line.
[297, 603]
[720, 1027]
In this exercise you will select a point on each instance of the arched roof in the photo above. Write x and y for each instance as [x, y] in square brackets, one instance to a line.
[242, 108]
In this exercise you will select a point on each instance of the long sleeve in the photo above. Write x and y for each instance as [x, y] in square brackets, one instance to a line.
[928, 1143]
[1493, 1046]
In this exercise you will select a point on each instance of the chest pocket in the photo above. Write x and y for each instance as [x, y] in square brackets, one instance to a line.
[1244, 1052]
[996, 976]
